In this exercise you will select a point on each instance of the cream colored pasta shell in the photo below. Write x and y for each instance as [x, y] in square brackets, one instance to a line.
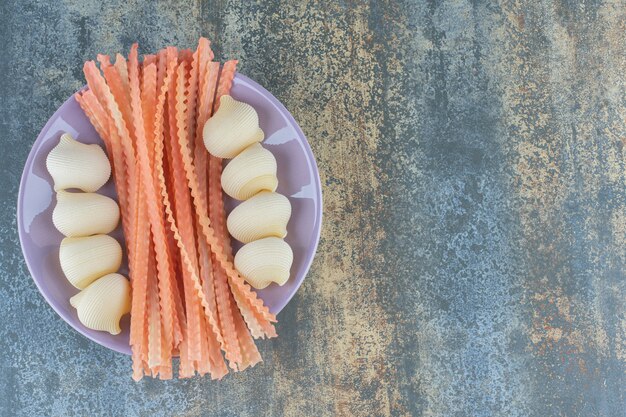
[74, 164]
[264, 261]
[234, 127]
[102, 304]
[264, 215]
[85, 214]
[251, 171]
[85, 259]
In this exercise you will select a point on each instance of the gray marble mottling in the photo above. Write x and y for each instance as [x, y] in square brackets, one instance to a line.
[473, 251]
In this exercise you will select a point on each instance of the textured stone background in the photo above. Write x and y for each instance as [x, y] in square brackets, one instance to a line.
[473, 251]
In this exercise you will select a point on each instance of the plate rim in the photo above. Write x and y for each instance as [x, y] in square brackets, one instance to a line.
[317, 228]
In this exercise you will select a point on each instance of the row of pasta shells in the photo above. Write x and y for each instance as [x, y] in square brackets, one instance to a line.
[260, 221]
[89, 257]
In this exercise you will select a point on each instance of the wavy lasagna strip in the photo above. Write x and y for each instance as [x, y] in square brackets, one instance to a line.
[184, 254]
[154, 212]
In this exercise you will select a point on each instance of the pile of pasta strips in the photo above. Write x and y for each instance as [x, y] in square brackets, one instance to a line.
[187, 298]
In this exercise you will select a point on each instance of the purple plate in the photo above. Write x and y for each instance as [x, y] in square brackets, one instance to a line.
[298, 179]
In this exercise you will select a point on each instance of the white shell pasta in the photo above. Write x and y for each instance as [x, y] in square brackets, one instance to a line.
[264, 261]
[234, 127]
[85, 259]
[85, 214]
[102, 304]
[77, 165]
[251, 171]
[264, 215]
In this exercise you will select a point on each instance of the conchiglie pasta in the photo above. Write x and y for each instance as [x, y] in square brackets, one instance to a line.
[234, 127]
[251, 171]
[102, 304]
[85, 214]
[264, 215]
[74, 164]
[85, 259]
[265, 261]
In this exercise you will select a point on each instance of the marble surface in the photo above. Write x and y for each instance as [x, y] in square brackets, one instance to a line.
[474, 239]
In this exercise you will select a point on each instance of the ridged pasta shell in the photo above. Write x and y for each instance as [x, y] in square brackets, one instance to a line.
[251, 171]
[264, 261]
[85, 214]
[234, 127]
[85, 259]
[74, 164]
[263, 215]
[102, 304]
